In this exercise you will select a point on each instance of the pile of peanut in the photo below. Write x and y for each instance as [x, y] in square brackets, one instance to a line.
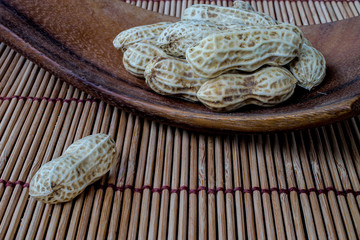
[224, 57]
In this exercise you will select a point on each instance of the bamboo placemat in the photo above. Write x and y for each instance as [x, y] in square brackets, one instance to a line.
[169, 182]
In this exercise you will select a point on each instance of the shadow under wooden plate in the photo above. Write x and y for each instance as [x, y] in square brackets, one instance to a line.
[73, 40]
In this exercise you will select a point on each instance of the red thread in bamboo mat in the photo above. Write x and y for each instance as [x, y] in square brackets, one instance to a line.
[207, 190]
[63, 100]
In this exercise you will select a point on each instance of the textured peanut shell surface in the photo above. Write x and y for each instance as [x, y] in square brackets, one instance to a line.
[83, 163]
[137, 34]
[245, 50]
[266, 87]
[309, 68]
[243, 5]
[178, 37]
[170, 76]
[218, 14]
[138, 55]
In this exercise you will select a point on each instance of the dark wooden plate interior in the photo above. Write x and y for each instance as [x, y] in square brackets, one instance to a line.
[73, 40]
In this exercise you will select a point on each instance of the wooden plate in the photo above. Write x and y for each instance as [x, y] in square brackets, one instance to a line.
[73, 40]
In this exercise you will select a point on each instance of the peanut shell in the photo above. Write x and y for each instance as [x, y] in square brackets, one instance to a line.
[170, 76]
[245, 50]
[266, 87]
[84, 162]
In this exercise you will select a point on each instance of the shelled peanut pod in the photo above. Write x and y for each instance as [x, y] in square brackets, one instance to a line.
[266, 87]
[170, 76]
[219, 14]
[138, 55]
[137, 34]
[245, 50]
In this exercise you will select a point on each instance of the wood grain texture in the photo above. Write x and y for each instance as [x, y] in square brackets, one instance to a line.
[73, 40]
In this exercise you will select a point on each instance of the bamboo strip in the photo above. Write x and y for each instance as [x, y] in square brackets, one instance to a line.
[276, 205]
[321, 220]
[6, 57]
[322, 160]
[115, 216]
[255, 184]
[249, 213]
[175, 184]
[304, 19]
[352, 148]
[7, 84]
[202, 213]
[357, 5]
[342, 200]
[278, 15]
[29, 160]
[192, 220]
[2, 47]
[7, 109]
[130, 173]
[311, 16]
[184, 182]
[155, 201]
[140, 172]
[211, 185]
[20, 130]
[220, 198]
[290, 178]
[338, 163]
[281, 184]
[228, 172]
[150, 164]
[17, 157]
[35, 156]
[165, 194]
[5, 61]
[330, 10]
[109, 193]
[268, 214]
[313, 226]
[239, 201]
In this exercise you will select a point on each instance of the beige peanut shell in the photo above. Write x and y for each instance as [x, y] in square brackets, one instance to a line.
[266, 87]
[137, 34]
[219, 14]
[138, 55]
[65, 177]
[245, 50]
[243, 5]
[309, 68]
[178, 37]
[175, 77]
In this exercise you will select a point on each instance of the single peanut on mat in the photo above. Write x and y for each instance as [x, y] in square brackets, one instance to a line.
[84, 162]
